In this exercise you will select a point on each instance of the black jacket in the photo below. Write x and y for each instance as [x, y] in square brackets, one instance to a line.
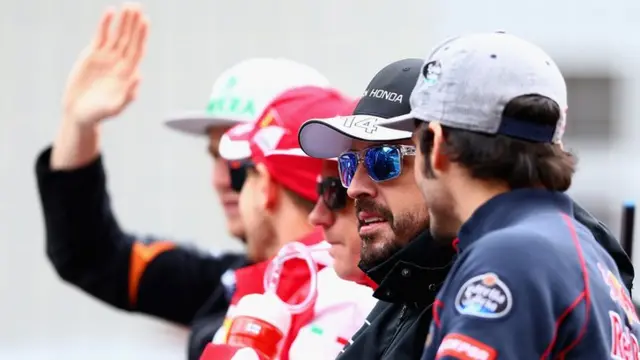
[149, 275]
[408, 282]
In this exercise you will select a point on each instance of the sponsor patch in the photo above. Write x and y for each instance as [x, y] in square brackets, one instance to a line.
[484, 296]
[624, 344]
[618, 293]
[431, 72]
[268, 119]
[384, 94]
[463, 347]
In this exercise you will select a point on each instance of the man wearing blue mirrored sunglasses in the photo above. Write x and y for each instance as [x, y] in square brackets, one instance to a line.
[376, 166]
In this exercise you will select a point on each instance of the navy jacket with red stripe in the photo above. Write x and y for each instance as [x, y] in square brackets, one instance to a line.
[531, 282]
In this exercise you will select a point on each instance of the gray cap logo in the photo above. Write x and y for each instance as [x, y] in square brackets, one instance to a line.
[431, 72]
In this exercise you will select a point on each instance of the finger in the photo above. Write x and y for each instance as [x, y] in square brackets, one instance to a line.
[139, 43]
[123, 27]
[102, 34]
[131, 34]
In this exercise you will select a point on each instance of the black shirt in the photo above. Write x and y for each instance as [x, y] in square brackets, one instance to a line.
[149, 275]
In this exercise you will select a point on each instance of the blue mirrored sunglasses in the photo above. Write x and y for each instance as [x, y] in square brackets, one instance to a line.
[382, 162]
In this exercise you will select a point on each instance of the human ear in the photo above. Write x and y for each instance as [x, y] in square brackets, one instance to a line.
[439, 160]
[267, 188]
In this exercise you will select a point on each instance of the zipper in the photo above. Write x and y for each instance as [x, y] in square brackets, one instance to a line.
[399, 325]
[403, 312]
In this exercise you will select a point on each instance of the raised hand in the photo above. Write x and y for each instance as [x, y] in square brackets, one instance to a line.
[105, 78]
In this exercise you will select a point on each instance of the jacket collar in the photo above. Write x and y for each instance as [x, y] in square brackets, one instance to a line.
[605, 238]
[367, 281]
[508, 208]
[415, 273]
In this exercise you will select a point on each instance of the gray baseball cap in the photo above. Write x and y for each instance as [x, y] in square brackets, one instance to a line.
[467, 81]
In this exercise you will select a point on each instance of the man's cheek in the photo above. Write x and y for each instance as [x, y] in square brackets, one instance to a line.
[244, 204]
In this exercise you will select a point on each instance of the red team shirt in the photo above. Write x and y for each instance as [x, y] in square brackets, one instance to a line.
[339, 310]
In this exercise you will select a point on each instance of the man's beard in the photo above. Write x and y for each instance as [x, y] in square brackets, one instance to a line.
[404, 226]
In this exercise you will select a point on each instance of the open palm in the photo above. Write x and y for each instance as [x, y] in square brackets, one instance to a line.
[105, 78]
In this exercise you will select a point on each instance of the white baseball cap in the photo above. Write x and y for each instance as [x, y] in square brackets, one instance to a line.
[242, 92]
[467, 81]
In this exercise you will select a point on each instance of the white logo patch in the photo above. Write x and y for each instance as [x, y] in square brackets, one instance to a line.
[484, 296]
[431, 72]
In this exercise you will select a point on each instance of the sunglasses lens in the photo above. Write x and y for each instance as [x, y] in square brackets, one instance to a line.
[383, 162]
[347, 166]
[238, 175]
[336, 196]
[333, 194]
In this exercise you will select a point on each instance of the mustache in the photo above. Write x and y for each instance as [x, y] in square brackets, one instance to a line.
[368, 205]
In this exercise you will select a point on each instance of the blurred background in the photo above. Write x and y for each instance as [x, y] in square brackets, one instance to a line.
[160, 180]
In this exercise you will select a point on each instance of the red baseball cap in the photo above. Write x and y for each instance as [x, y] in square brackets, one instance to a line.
[273, 139]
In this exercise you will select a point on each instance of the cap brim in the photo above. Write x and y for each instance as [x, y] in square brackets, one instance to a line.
[403, 123]
[234, 144]
[234, 149]
[198, 123]
[328, 138]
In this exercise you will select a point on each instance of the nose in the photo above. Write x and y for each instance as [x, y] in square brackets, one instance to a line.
[361, 185]
[221, 178]
[321, 215]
